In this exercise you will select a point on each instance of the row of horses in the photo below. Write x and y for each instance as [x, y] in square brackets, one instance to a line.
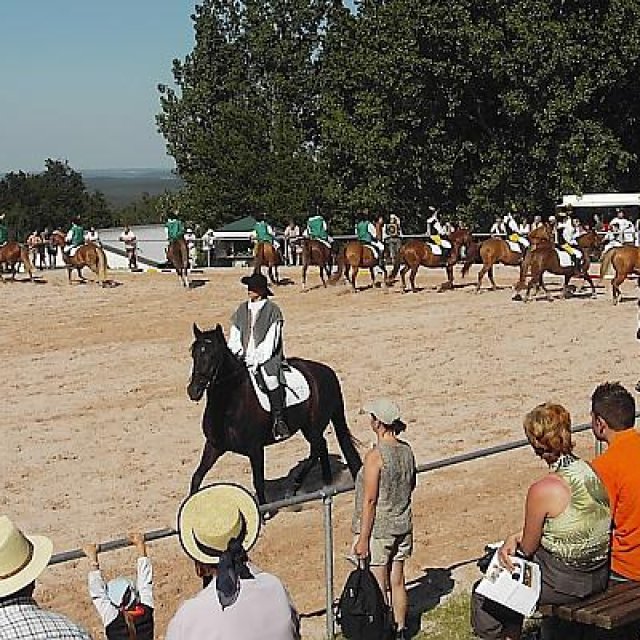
[13, 254]
[540, 257]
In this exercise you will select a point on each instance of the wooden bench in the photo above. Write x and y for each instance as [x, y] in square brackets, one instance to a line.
[615, 613]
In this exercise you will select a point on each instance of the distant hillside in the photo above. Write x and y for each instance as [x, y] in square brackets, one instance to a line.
[123, 186]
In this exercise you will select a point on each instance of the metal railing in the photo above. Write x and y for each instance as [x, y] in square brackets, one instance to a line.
[326, 495]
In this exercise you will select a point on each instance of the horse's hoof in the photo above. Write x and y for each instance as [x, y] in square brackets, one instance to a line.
[517, 298]
[269, 515]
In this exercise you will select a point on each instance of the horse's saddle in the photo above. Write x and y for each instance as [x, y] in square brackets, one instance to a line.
[517, 243]
[439, 246]
[71, 251]
[568, 255]
[326, 243]
[296, 388]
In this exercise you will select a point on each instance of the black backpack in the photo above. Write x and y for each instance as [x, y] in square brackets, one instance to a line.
[362, 613]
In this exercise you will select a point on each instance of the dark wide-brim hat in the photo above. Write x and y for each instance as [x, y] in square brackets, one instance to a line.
[258, 283]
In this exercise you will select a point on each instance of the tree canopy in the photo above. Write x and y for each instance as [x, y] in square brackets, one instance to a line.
[50, 199]
[472, 106]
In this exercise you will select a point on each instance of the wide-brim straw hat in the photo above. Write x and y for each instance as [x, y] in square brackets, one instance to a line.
[215, 514]
[22, 558]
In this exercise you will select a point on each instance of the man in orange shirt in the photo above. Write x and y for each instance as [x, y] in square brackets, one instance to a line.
[612, 420]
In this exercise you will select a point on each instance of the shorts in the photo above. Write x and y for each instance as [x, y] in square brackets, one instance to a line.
[392, 549]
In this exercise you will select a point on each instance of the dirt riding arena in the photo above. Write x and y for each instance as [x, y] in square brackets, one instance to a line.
[99, 437]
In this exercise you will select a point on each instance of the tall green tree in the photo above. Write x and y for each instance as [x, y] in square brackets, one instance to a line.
[238, 121]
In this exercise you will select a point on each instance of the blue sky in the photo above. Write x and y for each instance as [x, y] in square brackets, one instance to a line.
[78, 80]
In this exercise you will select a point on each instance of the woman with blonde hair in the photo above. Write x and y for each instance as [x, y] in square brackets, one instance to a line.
[382, 521]
[566, 527]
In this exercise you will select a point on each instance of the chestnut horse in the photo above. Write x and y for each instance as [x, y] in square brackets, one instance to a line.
[267, 254]
[625, 260]
[88, 255]
[416, 253]
[497, 251]
[178, 256]
[354, 255]
[545, 258]
[13, 253]
[316, 252]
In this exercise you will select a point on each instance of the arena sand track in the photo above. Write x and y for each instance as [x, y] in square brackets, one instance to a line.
[99, 437]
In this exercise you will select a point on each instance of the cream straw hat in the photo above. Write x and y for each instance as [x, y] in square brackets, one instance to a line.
[211, 517]
[22, 558]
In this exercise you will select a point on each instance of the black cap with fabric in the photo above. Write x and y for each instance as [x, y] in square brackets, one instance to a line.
[258, 283]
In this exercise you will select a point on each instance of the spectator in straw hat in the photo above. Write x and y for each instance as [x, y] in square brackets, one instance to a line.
[125, 607]
[22, 560]
[217, 526]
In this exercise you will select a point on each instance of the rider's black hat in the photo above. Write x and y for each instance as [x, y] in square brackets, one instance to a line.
[258, 283]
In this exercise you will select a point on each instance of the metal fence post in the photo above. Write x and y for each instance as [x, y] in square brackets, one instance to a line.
[327, 503]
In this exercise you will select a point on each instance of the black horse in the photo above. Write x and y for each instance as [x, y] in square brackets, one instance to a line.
[234, 420]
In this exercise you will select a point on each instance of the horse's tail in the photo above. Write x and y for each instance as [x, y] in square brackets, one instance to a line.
[340, 260]
[258, 257]
[471, 256]
[346, 439]
[306, 251]
[605, 263]
[101, 260]
[26, 260]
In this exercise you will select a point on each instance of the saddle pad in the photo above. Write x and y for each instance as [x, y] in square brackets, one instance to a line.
[516, 247]
[565, 257]
[326, 243]
[297, 389]
[374, 250]
[436, 249]
[71, 251]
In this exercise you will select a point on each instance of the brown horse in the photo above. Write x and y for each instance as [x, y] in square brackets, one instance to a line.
[267, 254]
[416, 253]
[316, 252]
[88, 255]
[178, 256]
[497, 251]
[625, 260]
[354, 255]
[545, 258]
[12, 253]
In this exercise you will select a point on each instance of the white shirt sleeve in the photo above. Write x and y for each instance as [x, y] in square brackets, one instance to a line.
[68, 236]
[144, 581]
[235, 342]
[98, 591]
[264, 351]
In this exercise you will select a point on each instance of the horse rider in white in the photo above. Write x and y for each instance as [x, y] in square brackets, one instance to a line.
[569, 234]
[436, 229]
[512, 229]
[626, 231]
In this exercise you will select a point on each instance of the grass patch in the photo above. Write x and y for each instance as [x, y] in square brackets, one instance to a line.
[448, 621]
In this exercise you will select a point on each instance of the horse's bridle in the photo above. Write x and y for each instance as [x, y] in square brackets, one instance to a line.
[214, 377]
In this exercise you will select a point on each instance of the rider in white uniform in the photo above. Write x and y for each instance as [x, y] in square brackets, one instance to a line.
[436, 229]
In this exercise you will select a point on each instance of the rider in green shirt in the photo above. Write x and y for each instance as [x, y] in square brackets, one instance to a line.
[4, 231]
[75, 236]
[174, 228]
[368, 235]
[317, 230]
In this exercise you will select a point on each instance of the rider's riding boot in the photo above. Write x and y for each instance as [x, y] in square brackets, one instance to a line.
[381, 260]
[280, 428]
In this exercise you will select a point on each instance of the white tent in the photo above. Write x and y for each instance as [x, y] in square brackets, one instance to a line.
[602, 200]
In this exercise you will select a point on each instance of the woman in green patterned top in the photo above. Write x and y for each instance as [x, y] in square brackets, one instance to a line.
[566, 527]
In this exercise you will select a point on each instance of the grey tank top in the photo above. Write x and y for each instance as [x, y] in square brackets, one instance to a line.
[397, 481]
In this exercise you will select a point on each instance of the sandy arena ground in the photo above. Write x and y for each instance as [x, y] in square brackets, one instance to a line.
[100, 437]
